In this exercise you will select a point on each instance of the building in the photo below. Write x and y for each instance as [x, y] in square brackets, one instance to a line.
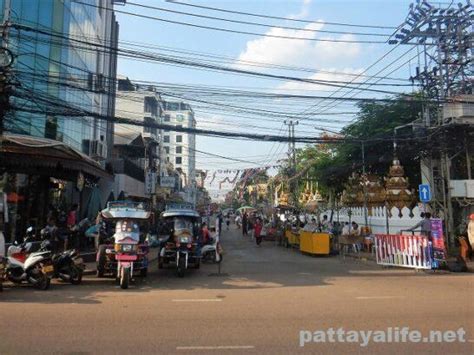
[137, 148]
[55, 143]
[55, 69]
[180, 147]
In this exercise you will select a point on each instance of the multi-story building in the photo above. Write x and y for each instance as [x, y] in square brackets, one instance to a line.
[59, 66]
[180, 147]
[64, 72]
[137, 148]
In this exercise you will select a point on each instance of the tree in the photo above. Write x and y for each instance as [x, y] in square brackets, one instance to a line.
[331, 164]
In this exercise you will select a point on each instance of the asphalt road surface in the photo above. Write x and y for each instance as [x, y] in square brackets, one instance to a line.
[269, 300]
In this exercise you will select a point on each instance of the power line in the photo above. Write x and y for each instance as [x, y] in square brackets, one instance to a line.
[257, 23]
[277, 17]
[227, 30]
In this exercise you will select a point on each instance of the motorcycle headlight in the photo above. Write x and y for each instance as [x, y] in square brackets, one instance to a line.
[184, 240]
[125, 248]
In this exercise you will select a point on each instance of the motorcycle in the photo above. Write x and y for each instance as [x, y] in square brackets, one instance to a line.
[181, 248]
[68, 265]
[2, 271]
[36, 268]
[127, 255]
[2, 260]
[212, 252]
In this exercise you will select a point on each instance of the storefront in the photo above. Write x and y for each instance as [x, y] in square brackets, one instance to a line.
[41, 176]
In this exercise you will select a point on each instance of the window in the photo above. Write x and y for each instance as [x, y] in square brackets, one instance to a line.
[179, 139]
[178, 160]
[166, 139]
[151, 106]
[167, 159]
[179, 150]
[167, 150]
[167, 118]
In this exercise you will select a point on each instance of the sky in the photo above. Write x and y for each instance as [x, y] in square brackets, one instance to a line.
[326, 57]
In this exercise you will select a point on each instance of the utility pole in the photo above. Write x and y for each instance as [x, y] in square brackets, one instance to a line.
[292, 158]
[365, 181]
[6, 59]
[449, 31]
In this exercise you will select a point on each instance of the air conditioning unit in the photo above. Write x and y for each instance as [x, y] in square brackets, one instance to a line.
[94, 148]
[462, 188]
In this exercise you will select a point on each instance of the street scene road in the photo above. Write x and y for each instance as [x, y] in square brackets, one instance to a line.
[260, 303]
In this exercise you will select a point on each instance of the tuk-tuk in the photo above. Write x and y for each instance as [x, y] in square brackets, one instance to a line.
[180, 228]
[125, 253]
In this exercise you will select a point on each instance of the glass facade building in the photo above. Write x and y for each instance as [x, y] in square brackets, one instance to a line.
[64, 64]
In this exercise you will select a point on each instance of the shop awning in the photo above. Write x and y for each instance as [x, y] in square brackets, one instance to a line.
[42, 156]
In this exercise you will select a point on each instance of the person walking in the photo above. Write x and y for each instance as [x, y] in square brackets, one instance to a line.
[425, 225]
[257, 231]
[244, 224]
[227, 221]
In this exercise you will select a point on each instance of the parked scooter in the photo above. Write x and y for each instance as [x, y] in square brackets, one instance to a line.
[23, 265]
[212, 252]
[68, 265]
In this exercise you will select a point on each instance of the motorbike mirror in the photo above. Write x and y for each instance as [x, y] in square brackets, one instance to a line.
[29, 229]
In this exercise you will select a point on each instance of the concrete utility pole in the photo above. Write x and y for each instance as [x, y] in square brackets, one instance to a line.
[449, 31]
[292, 156]
[365, 181]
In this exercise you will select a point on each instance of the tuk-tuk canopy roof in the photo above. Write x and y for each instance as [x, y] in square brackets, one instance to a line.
[180, 213]
[125, 210]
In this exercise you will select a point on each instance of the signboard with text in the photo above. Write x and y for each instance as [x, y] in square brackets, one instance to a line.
[167, 181]
[437, 235]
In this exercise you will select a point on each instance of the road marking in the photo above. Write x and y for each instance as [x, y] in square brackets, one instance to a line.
[198, 300]
[219, 347]
[378, 297]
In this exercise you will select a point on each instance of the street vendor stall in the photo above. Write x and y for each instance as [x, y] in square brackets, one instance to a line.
[314, 243]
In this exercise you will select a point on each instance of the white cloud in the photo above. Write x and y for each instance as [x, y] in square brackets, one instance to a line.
[303, 12]
[294, 52]
[297, 52]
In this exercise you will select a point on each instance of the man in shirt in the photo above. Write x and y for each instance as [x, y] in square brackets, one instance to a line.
[424, 225]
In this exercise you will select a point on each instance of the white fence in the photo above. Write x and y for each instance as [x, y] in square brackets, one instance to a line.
[377, 218]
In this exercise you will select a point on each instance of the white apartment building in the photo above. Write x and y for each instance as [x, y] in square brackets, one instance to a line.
[180, 147]
[135, 144]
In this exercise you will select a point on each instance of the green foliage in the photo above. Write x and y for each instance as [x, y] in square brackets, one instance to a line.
[332, 164]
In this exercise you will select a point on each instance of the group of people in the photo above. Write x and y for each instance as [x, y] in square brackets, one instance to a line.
[63, 228]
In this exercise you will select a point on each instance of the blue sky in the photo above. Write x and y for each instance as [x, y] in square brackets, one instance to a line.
[346, 57]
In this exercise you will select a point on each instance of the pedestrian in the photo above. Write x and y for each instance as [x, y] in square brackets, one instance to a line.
[257, 230]
[325, 223]
[311, 226]
[470, 232]
[227, 221]
[238, 221]
[206, 236]
[219, 221]
[71, 223]
[245, 219]
[424, 225]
